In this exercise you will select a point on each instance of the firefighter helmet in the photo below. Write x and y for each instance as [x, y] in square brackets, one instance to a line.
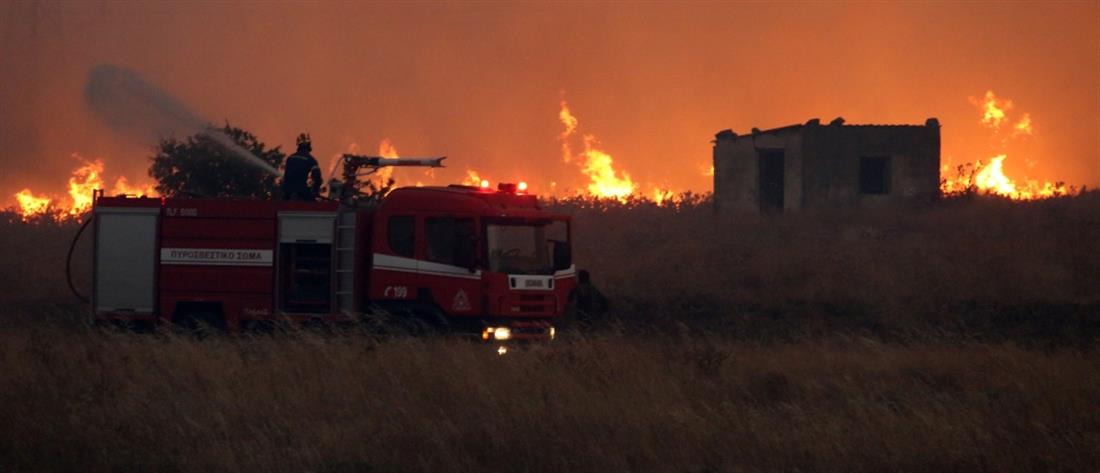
[304, 143]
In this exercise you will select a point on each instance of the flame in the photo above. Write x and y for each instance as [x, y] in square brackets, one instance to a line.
[994, 109]
[570, 123]
[31, 205]
[84, 181]
[1023, 127]
[661, 196]
[123, 187]
[990, 177]
[474, 179]
[600, 169]
[386, 149]
[604, 181]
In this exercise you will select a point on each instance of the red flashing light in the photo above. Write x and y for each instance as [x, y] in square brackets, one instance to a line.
[484, 183]
[522, 186]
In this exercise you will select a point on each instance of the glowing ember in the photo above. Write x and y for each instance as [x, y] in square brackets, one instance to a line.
[604, 181]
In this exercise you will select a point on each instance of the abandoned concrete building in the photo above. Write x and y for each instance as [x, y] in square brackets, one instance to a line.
[809, 166]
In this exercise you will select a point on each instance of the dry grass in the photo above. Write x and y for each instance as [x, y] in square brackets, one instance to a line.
[611, 402]
[824, 342]
[986, 265]
[32, 264]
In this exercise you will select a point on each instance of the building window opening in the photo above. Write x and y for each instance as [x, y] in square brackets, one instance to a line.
[874, 175]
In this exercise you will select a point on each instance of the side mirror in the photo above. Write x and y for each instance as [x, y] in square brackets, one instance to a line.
[563, 255]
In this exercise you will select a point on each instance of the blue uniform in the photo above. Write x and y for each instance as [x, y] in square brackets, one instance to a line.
[299, 166]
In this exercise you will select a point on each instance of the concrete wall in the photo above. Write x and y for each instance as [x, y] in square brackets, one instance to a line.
[832, 160]
[736, 169]
[822, 165]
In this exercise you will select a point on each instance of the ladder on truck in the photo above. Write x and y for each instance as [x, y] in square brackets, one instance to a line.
[345, 191]
[345, 261]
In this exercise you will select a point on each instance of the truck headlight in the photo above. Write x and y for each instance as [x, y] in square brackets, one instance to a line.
[502, 333]
[553, 332]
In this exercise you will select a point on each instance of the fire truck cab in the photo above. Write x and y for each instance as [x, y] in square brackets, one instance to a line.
[455, 258]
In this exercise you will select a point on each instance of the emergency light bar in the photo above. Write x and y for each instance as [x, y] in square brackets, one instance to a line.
[512, 188]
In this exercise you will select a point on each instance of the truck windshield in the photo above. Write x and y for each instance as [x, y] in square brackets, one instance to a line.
[523, 248]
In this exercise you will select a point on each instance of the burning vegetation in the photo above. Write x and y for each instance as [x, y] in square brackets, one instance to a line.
[597, 165]
[601, 178]
[85, 179]
[989, 177]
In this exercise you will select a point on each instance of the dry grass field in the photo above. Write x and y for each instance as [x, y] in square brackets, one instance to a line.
[964, 267]
[959, 337]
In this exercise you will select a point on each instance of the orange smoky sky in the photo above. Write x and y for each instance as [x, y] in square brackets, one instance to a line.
[482, 82]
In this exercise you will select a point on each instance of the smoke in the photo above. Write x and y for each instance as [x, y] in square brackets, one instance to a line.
[654, 82]
[128, 104]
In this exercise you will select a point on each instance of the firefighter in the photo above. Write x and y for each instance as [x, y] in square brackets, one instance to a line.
[299, 166]
[587, 302]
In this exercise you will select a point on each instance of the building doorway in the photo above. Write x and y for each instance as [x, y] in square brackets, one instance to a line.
[770, 180]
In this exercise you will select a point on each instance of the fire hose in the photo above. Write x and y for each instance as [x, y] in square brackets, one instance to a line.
[69, 261]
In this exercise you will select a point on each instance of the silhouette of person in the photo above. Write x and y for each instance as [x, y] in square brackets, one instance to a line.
[587, 301]
[300, 166]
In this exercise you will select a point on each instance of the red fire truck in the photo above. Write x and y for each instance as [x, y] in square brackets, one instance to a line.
[454, 258]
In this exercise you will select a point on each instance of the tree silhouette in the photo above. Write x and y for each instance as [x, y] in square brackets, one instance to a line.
[369, 192]
[200, 166]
